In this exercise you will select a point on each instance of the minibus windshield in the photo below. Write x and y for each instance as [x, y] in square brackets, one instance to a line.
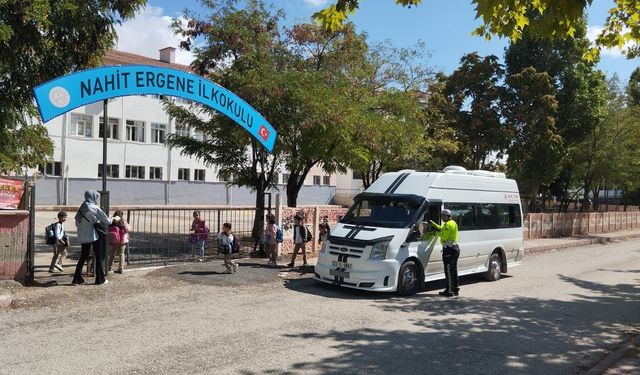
[383, 210]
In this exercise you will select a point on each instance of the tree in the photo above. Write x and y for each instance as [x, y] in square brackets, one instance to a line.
[633, 88]
[534, 155]
[243, 51]
[616, 159]
[475, 92]
[42, 40]
[318, 128]
[390, 126]
[541, 19]
[578, 88]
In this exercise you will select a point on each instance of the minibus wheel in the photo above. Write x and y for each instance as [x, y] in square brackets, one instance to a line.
[495, 271]
[408, 280]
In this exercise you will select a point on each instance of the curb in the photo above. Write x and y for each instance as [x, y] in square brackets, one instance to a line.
[610, 360]
[545, 248]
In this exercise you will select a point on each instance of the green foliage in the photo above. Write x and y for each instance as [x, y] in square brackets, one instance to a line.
[41, 40]
[535, 154]
[475, 92]
[579, 90]
[540, 19]
[633, 88]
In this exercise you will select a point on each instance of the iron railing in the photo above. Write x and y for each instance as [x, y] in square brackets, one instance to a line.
[161, 235]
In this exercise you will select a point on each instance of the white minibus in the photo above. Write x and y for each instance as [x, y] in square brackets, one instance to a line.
[378, 245]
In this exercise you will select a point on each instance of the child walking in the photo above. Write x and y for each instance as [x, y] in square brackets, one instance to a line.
[300, 241]
[225, 243]
[201, 232]
[60, 246]
[119, 240]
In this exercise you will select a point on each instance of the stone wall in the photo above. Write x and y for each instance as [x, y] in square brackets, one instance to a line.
[548, 225]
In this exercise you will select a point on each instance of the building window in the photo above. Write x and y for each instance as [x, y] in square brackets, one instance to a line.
[316, 180]
[198, 175]
[81, 125]
[112, 128]
[135, 131]
[113, 170]
[158, 132]
[134, 171]
[182, 131]
[53, 168]
[357, 175]
[199, 136]
[285, 177]
[326, 180]
[183, 174]
[155, 173]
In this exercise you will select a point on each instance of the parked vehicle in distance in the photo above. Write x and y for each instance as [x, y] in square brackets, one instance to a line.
[379, 244]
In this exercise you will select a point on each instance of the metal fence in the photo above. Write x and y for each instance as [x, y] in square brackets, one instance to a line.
[161, 235]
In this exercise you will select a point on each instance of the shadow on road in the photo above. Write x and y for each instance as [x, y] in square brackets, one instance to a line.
[306, 284]
[521, 335]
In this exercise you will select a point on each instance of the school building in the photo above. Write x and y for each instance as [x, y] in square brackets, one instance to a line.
[141, 169]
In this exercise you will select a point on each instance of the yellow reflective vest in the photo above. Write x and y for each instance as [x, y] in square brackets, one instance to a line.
[448, 232]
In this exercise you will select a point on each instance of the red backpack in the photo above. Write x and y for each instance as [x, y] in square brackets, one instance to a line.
[115, 235]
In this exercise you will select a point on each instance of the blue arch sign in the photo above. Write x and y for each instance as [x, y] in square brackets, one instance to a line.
[63, 94]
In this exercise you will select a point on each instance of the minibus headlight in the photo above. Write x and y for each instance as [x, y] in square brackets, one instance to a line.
[379, 250]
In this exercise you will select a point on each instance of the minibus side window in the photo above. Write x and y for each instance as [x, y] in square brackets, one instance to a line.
[464, 215]
[488, 216]
[509, 216]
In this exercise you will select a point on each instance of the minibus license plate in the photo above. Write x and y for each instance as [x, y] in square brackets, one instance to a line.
[344, 265]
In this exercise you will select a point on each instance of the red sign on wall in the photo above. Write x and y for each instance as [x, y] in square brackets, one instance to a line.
[10, 193]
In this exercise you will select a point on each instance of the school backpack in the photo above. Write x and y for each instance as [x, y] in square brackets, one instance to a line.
[235, 246]
[50, 234]
[115, 235]
[309, 235]
[279, 235]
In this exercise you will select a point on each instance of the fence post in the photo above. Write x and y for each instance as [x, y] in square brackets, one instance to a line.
[316, 231]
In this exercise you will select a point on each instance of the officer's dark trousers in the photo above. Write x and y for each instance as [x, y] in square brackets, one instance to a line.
[450, 256]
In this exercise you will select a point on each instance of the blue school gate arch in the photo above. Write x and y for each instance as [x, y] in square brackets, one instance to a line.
[66, 93]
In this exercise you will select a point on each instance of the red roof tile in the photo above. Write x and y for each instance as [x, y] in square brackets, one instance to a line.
[114, 57]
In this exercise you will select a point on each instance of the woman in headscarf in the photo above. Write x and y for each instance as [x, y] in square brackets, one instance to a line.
[89, 214]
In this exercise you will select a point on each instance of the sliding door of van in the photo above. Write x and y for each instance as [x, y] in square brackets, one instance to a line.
[464, 214]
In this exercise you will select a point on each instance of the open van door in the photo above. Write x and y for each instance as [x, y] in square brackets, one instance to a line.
[430, 246]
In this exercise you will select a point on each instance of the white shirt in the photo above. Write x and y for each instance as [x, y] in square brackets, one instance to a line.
[225, 239]
[59, 231]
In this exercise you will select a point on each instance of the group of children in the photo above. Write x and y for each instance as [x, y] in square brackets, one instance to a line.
[119, 238]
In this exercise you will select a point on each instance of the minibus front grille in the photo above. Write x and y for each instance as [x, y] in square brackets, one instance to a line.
[337, 253]
[355, 253]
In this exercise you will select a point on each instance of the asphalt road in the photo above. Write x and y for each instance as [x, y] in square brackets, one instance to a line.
[559, 313]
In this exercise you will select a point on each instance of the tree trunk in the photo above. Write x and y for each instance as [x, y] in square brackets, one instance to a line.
[258, 220]
[293, 188]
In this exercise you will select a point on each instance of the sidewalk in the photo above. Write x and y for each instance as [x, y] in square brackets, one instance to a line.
[547, 244]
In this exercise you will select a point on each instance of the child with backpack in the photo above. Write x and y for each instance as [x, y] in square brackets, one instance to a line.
[226, 244]
[271, 236]
[200, 235]
[58, 238]
[118, 239]
[301, 235]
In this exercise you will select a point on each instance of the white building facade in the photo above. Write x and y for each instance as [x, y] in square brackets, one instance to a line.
[141, 169]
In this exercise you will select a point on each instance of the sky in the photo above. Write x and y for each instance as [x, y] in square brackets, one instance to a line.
[444, 25]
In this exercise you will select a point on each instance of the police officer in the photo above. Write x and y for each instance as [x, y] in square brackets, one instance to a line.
[448, 233]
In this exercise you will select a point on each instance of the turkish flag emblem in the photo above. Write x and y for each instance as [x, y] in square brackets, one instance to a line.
[264, 132]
